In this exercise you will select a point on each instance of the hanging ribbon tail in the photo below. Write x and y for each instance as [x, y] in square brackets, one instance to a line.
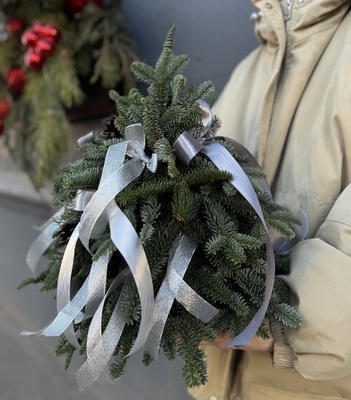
[188, 298]
[90, 295]
[128, 243]
[100, 347]
[64, 283]
[174, 287]
[43, 242]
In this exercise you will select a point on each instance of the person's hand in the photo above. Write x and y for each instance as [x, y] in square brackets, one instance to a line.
[256, 344]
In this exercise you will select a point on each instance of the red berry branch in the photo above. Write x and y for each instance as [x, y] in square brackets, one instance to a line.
[40, 41]
[57, 60]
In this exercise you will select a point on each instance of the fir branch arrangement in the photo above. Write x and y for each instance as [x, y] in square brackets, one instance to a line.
[196, 200]
[54, 52]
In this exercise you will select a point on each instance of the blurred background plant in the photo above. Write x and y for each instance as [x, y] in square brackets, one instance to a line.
[58, 60]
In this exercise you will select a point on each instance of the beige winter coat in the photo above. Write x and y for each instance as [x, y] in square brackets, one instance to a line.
[289, 103]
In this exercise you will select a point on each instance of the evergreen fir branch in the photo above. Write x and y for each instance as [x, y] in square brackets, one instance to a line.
[144, 72]
[184, 208]
[216, 124]
[163, 149]
[178, 86]
[235, 253]
[251, 284]
[159, 187]
[65, 349]
[198, 177]
[130, 304]
[32, 280]
[177, 65]
[51, 274]
[63, 76]
[215, 243]
[121, 353]
[158, 253]
[150, 124]
[101, 245]
[285, 314]
[191, 333]
[218, 220]
[107, 66]
[149, 210]
[85, 179]
[93, 153]
[218, 291]
[205, 92]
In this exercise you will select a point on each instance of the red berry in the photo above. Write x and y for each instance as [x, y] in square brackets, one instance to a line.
[52, 32]
[44, 48]
[29, 38]
[75, 6]
[1, 127]
[14, 79]
[14, 25]
[4, 107]
[39, 29]
[33, 60]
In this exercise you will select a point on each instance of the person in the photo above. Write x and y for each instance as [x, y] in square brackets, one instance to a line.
[289, 103]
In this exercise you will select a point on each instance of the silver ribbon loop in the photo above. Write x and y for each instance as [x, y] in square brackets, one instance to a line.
[206, 115]
[226, 162]
[186, 147]
[116, 175]
[82, 199]
[89, 295]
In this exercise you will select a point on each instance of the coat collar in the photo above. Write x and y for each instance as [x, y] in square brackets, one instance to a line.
[297, 18]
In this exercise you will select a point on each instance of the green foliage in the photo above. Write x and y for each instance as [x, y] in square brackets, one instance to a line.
[229, 265]
[94, 50]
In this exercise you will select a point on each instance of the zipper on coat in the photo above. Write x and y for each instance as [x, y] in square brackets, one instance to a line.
[289, 7]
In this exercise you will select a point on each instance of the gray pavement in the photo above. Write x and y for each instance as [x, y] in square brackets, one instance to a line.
[29, 370]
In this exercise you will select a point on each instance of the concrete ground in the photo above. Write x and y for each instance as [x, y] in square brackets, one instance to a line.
[29, 370]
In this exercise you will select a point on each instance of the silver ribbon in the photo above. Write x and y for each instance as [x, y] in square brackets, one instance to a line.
[100, 347]
[43, 242]
[116, 175]
[186, 147]
[99, 210]
[174, 287]
[91, 292]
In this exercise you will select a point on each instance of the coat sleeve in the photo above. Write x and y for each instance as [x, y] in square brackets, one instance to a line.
[320, 284]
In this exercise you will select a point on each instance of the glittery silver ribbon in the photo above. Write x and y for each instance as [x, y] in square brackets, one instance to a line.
[43, 242]
[101, 346]
[91, 292]
[175, 288]
[185, 148]
[116, 175]
[102, 210]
